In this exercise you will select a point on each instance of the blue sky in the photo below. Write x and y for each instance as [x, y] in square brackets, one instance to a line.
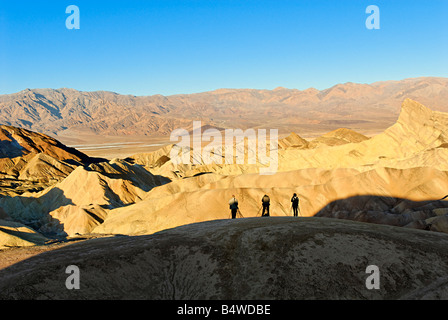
[145, 47]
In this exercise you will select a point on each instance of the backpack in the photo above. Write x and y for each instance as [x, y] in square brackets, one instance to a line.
[233, 203]
[295, 201]
[266, 199]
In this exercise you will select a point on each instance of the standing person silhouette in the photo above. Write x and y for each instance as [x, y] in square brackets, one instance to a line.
[266, 203]
[295, 204]
[233, 203]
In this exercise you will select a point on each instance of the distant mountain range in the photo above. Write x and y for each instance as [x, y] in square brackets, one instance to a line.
[362, 107]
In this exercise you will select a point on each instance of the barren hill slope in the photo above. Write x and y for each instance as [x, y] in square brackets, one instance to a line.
[15, 142]
[418, 130]
[31, 161]
[338, 137]
[397, 164]
[14, 234]
[83, 199]
[206, 197]
[264, 258]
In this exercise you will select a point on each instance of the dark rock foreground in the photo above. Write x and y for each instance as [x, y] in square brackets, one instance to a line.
[255, 258]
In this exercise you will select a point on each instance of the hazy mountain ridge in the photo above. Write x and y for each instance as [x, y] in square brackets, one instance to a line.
[376, 105]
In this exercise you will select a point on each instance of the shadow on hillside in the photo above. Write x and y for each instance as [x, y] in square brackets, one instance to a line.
[426, 215]
[138, 176]
[10, 149]
[27, 236]
[34, 212]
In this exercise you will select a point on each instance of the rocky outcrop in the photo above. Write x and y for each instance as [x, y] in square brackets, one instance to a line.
[293, 141]
[426, 215]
